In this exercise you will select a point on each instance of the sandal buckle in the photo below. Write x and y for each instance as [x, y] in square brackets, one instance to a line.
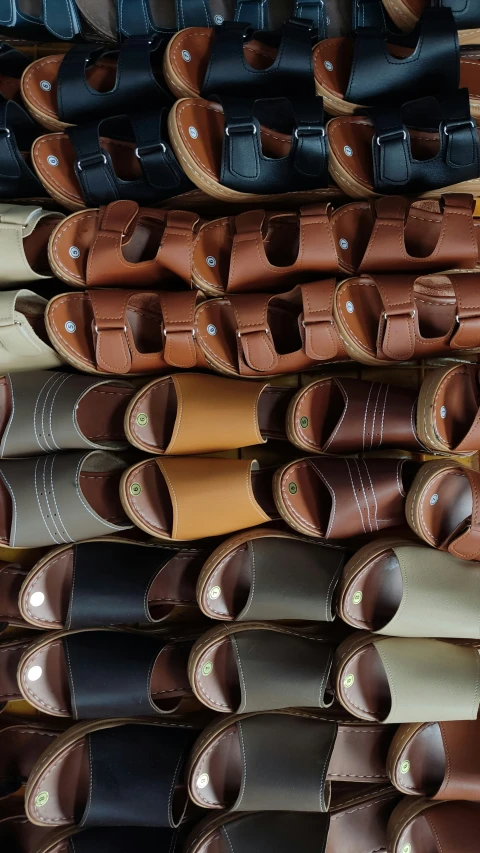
[93, 160]
[246, 127]
[401, 313]
[457, 125]
[390, 136]
[141, 151]
[309, 130]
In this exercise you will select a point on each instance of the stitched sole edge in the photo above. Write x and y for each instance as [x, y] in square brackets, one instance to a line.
[414, 499]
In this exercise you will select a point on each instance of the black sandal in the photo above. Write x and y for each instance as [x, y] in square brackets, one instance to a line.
[18, 132]
[12, 65]
[59, 19]
[91, 82]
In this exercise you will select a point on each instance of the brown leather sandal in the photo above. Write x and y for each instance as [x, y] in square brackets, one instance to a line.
[341, 415]
[190, 413]
[282, 761]
[11, 579]
[336, 498]
[11, 652]
[437, 760]
[433, 827]
[194, 497]
[443, 508]
[386, 319]
[124, 245]
[257, 335]
[449, 410]
[21, 745]
[258, 666]
[75, 674]
[125, 331]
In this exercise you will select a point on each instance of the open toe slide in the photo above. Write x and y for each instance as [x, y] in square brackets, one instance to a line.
[403, 589]
[21, 745]
[111, 582]
[449, 410]
[282, 762]
[342, 415]
[250, 577]
[112, 839]
[403, 680]
[260, 667]
[193, 413]
[11, 652]
[405, 14]
[365, 819]
[24, 234]
[437, 760]
[105, 673]
[433, 827]
[44, 411]
[335, 498]
[11, 579]
[59, 498]
[114, 772]
[124, 245]
[193, 497]
[23, 337]
[443, 508]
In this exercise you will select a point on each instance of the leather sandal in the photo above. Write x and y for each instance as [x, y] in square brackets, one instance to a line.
[11, 652]
[352, 74]
[23, 338]
[45, 411]
[388, 151]
[190, 413]
[385, 319]
[18, 133]
[91, 82]
[442, 508]
[121, 772]
[124, 245]
[24, 235]
[437, 760]
[336, 414]
[196, 497]
[437, 827]
[17, 834]
[260, 667]
[125, 331]
[126, 156]
[106, 673]
[12, 65]
[60, 498]
[11, 580]
[364, 819]
[39, 22]
[228, 149]
[466, 13]
[124, 839]
[249, 576]
[262, 336]
[402, 589]
[449, 410]
[284, 761]
[403, 680]
[337, 498]
[103, 583]
[21, 745]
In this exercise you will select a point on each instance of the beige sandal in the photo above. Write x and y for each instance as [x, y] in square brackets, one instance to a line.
[23, 337]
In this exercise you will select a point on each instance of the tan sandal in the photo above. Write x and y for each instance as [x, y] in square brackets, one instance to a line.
[449, 410]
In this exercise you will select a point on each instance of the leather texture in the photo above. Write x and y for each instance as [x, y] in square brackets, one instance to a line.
[124, 839]
[62, 515]
[429, 680]
[460, 744]
[447, 826]
[57, 18]
[11, 579]
[21, 348]
[43, 419]
[17, 223]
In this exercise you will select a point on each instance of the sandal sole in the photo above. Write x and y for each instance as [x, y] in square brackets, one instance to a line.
[414, 495]
[399, 742]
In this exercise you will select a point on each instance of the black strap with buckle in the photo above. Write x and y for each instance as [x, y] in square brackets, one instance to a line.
[457, 158]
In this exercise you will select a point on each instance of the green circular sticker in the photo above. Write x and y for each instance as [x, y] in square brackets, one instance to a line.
[207, 668]
[142, 419]
[357, 597]
[42, 798]
[135, 489]
[304, 422]
[293, 488]
[348, 682]
[404, 767]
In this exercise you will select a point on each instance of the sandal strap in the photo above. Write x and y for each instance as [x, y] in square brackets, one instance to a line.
[397, 327]
[281, 670]
[456, 245]
[109, 673]
[374, 71]
[458, 159]
[178, 312]
[17, 133]
[12, 62]
[253, 331]
[465, 541]
[120, 594]
[467, 331]
[117, 221]
[124, 839]
[244, 164]
[133, 770]
[279, 831]
[459, 741]
[372, 13]
[18, 340]
[60, 18]
[322, 341]
[48, 506]
[292, 71]
[16, 223]
[162, 176]
[279, 747]
[135, 82]
[135, 16]
[442, 683]
[44, 413]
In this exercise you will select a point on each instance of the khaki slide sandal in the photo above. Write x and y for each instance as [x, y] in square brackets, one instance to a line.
[24, 235]
[23, 337]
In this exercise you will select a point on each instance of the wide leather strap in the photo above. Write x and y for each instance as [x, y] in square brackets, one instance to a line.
[453, 825]
[44, 413]
[178, 312]
[456, 245]
[278, 831]
[133, 770]
[112, 350]
[219, 491]
[21, 348]
[135, 16]
[255, 344]
[115, 839]
[397, 329]
[109, 673]
[322, 341]
[48, 506]
[16, 223]
[466, 544]
[61, 18]
[281, 670]
[285, 760]
[461, 742]
[375, 414]
[429, 679]
[467, 333]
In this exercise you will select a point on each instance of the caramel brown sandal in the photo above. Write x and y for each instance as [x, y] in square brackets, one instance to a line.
[438, 827]
[449, 410]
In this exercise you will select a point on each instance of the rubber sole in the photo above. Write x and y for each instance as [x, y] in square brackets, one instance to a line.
[54, 266]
